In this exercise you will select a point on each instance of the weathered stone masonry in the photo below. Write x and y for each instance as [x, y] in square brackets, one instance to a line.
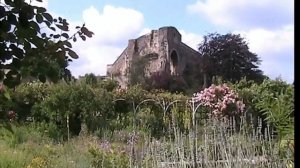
[165, 50]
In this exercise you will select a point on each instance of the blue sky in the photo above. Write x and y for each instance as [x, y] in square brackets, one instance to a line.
[267, 25]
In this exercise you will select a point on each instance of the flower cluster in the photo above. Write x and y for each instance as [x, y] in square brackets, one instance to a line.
[114, 148]
[222, 100]
[132, 138]
[127, 137]
[121, 135]
[11, 115]
[38, 162]
[105, 145]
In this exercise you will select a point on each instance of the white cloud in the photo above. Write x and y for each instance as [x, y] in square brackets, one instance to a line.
[145, 31]
[246, 13]
[266, 40]
[112, 28]
[191, 39]
[44, 3]
[94, 59]
[276, 49]
[267, 25]
[114, 24]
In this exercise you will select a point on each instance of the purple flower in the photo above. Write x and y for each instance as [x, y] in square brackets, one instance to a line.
[105, 145]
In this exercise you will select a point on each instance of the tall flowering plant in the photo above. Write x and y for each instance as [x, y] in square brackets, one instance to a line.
[221, 100]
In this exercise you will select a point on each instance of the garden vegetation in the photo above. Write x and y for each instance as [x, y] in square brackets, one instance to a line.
[230, 116]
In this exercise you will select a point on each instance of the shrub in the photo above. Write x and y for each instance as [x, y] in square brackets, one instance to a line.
[272, 100]
[38, 162]
[26, 95]
[109, 84]
[71, 105]
[221, 100]
[109, 156]
[6, 103]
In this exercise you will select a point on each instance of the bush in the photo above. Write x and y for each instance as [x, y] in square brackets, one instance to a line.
[221, 101]
[71, 105]
[109, 156]
[109, 84]
[26, 95]
[272, 100]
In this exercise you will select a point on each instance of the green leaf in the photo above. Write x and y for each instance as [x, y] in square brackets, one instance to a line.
[16, 63]
[6, 95]
[8, 2]
[52, 28]
[65, 35]
[5, 26]
[56, 36]
[67, 43]
[35, 26]
[48, 17]
[1, 76]
[73, 54]
[47, 23]
[13, 78]
[23, 20]
[42, 78]
[63, 27]
[83, 38]
[27, 46]
[86, 32]
[16, 51]
[2, 12]
[12, 19]
[41, 10]
[7, 126]
[43, 35]
[39, 18]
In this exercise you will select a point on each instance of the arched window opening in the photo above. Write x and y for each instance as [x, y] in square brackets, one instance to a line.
[174, 63]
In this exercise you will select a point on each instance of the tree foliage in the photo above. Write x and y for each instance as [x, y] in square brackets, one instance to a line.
[272, 100]
[91, 79]
[78, 103]
[228, 56]
[34, 43]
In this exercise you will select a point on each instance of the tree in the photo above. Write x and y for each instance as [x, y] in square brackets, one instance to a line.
[91, 79]
[33, 43]
[228, 56]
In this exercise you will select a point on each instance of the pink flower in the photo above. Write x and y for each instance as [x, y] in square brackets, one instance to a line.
[11, 115]
[220, 99]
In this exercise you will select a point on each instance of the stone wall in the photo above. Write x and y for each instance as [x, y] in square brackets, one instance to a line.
[163, 47]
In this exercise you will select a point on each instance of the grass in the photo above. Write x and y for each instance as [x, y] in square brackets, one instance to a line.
[215, 146]
[28, 148]
[212, 145]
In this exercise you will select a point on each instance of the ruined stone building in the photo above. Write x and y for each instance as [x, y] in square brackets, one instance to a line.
[165, 50]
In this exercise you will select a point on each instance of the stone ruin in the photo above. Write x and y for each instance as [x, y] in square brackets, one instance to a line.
[165, 51]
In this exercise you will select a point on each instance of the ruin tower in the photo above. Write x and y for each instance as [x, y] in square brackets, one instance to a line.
[163, 48]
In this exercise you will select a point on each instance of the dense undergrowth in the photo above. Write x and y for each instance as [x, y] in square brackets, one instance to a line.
[94, 124]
